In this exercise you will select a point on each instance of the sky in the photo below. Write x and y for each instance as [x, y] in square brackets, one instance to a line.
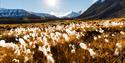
[57, 7]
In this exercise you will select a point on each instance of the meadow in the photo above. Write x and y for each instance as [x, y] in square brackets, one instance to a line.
[66, 41]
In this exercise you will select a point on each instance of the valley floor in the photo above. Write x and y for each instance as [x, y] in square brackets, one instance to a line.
[76, 41]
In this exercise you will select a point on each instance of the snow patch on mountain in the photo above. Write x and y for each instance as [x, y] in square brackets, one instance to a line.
[13, 13]
[71, 14]
[20, 13]
[100, 1]
[44, 15]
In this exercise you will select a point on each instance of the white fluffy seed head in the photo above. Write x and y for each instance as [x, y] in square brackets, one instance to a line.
[70, 45]
[26, 59]
[73, 51]
[119, 45]
[83, 46]
[101, 31]
[45, 40]
[15, 60]
[95, 38]
[26, 37]
[50, 59]
[106, 40]
[116, 53]
[40, 48]
[99, 36]
[2, 43]
[30, 43]
[28, 51]
[22, 42]
[121, 32]
[92, 53]
[113, 35]
[66, 37]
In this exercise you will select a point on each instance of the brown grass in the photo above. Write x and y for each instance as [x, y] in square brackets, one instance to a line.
[62, 52]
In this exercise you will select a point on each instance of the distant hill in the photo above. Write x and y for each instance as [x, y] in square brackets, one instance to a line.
[105, 9]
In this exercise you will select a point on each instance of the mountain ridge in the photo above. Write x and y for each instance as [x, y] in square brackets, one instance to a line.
[21, 13]
[105, 9]
[14, 13]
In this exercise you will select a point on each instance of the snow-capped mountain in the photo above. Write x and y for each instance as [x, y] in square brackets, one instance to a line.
[20, 13]
[72, 14]
[14, 13]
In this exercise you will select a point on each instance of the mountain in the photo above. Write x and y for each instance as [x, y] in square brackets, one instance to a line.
[20, 13]
[45, 15]
[23, 16]
[105, 9]
[71, 14]
[16, 13]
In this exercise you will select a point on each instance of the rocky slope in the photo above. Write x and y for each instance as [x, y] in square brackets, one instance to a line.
[105, 9]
